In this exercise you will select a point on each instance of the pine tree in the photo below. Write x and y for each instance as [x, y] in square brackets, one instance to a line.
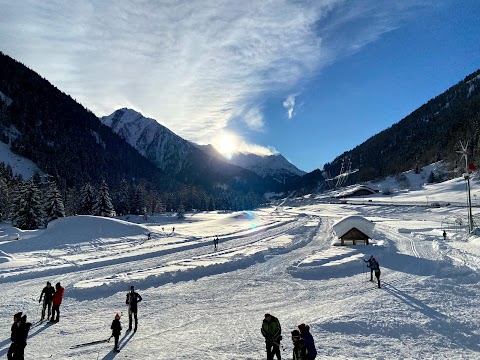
[4, 199]
[71, 201]
[103, 205]
[87, 200]
[122, 202]
[181, 212]
[30, 212]
[54, 207]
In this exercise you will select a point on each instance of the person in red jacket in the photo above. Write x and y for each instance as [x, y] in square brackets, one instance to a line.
[57, 300]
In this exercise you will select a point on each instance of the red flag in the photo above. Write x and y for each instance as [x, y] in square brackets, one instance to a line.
[471, 166]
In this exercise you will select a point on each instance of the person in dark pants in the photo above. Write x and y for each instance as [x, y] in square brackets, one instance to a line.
[299, 349]
[370, 261]
[20, 329]
[309, 342]
[271, 331]
[47, 294]
[376, 269]
[57, 300]
[116, 331]
[133, 298]
[215, 243]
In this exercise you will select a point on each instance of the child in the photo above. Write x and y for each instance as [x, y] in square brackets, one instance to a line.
[299, 349]
[116, 330]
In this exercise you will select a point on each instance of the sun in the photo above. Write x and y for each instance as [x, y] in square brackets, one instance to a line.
[226, 144]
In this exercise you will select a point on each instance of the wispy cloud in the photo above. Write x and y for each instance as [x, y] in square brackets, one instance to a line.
[289, 104]
[192, 65]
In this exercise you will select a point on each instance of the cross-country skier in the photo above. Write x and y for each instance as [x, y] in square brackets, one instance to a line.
[20, 329]
[309, 342]
[215, 243]
[57, 300]
[133, 298]
[47, 294]
[370, 261]
[300, 351]
[376, 267]
[271, 331]
[116, 331]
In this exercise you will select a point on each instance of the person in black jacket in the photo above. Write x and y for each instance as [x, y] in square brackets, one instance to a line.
[370, 262]
[133, 298]
[116, 331]
[20, 329]
[47, 294]
[309, 342]
[299, 349]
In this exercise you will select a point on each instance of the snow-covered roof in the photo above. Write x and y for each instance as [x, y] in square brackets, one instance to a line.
[345, 224]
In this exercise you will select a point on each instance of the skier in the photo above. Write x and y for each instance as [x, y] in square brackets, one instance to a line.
[444, 235]
[47, 294]
[215, 243]
[133, 298]
[116, 331]
[376, 267]
[149, 236]
[271, 331]
[20, 329]
[309, 342]
[370, 262]
[300, 351]
[173, 229]
[57, 300]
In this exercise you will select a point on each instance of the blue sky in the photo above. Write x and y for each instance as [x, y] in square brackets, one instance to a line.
[308, 79]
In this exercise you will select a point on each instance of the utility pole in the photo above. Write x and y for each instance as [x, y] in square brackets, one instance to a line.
[466, 176]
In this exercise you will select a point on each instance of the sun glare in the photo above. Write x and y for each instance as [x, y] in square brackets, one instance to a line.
[226, 144]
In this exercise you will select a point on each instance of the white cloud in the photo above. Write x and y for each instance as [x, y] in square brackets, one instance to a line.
[192, 65]
[289, 104]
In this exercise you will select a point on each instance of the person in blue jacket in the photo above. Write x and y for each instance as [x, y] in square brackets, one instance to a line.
[376, 268]
[370, 262]
[309, 342]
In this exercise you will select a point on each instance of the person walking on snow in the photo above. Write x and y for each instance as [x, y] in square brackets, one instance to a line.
[133, 298]
[57, 300]
[309, 342]
[20, 329]
[116, 331]
[376, 268]
[370, 262]
[215, 243]
[300, 351]
[47, 294]
[271, 331]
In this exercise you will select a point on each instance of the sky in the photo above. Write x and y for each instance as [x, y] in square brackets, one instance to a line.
[307, 79]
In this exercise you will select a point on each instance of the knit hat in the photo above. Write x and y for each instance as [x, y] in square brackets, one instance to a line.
[18, 315]
[132, 287]
[117, 316]
[296, 335]
[302, 327]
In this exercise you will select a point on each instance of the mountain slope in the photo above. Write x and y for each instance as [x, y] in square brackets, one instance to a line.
[188, 163]
[62, 137]
[429, 134]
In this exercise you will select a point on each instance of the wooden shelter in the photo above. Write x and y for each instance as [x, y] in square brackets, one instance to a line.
[355, 228]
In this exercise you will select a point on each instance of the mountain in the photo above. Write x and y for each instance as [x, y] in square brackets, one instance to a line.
[275, 167]
[179, 157]
[48, 127]
[431, 133]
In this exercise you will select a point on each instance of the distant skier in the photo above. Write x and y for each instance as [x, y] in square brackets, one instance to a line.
[309, 342]
[47, 294]
[272, 332]
[20, 329]
[300, 351]
[116, 331]
[173, 229]
[133, 298]
[370, 262]
[376, 268]
[57, 300]
[149, 236]
[215, 243]
[444, 235]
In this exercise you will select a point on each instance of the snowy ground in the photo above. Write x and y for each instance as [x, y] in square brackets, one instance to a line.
[201, 304]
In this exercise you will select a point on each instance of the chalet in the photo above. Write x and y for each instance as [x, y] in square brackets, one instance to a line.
[355, 228]
[357, 190]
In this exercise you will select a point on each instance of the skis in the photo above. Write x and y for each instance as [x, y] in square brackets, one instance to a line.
[91, 343]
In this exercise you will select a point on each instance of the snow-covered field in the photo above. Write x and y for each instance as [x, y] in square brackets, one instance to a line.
[201, 304]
